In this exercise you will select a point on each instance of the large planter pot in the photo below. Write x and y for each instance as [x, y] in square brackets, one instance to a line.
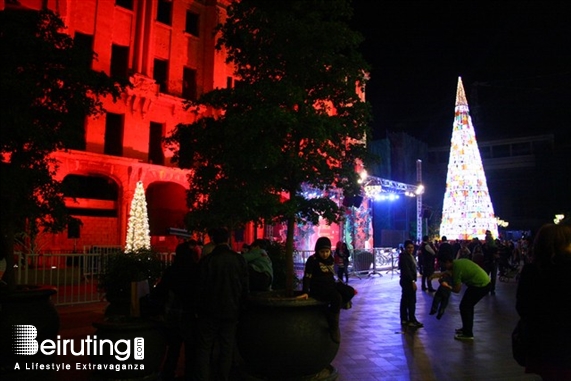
[286, 339]
[29, 306]
[131, 330]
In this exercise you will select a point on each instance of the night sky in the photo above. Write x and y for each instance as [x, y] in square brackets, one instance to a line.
[514, 59]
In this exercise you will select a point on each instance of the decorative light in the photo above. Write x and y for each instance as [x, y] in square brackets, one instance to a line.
[467, 210]
[373, 191]
[558, 218]
[138, 232]
[363, 176]
[502, 223]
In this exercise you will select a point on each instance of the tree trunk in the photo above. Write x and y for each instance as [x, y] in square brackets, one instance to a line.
[289, 255]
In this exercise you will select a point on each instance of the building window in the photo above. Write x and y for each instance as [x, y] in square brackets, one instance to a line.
[119, 61]
[542, 146]
[160, 74]
[502, 150]
[127, 4]
[485, 152]
[189, 84]
[85, 43]
[164, 12]
[113, 134]
[87, 193]
[521, 148]
[191, 26]
[156, 155]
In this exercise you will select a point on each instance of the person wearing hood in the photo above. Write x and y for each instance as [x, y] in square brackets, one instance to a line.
[319, 283]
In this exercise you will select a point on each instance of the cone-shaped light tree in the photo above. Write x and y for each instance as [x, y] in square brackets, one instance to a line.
[467, 209]
[138, 237]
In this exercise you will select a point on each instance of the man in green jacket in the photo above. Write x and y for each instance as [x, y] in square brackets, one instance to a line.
[478, 285]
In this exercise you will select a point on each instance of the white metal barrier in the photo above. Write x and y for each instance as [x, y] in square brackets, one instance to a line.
[74, 274]
[361, 261]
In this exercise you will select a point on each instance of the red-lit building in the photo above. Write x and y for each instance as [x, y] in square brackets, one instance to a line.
[167, 50]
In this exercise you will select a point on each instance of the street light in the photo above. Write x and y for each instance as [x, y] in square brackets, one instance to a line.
[558, 218]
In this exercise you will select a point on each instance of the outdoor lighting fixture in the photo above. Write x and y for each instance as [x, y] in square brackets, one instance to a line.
[558, 218]
[373, 191]
[502, 223]
[386, 197]
[362, 176]
[419, 190]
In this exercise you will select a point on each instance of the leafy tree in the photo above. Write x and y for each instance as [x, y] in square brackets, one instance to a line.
[48, 90]
[293, 120]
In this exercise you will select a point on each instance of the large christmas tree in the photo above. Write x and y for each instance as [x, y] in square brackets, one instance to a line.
[467, 209]
[138, 233]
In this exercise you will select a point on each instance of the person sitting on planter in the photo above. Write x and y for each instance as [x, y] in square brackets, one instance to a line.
[260, 271]
[319, 283]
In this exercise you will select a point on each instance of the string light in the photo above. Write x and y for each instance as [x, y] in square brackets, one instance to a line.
[467, 210]
[138, 232]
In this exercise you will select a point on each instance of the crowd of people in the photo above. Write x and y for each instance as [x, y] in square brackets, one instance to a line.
[206, 287]
[202, 294]
[543, 299]
[478, 264]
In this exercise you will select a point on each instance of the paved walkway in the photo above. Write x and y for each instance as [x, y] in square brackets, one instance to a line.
[374, 347]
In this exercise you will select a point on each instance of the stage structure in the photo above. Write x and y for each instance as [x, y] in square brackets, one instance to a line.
[377, 188]
[467, 210]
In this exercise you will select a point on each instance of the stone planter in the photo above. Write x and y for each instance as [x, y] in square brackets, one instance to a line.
[28, 305]
[286, 339]
[130, 330]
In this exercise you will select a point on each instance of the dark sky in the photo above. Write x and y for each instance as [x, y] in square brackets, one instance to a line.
[514, 59]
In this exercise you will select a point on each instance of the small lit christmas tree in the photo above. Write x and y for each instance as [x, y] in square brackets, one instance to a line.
[467, 209]
[138, 236]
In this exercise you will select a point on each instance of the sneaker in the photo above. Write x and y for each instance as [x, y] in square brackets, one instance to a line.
[459, 330]
[462, 337]
[404, 322]
[415, 324]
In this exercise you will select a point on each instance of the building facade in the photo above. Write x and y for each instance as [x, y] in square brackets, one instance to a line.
[167, 50]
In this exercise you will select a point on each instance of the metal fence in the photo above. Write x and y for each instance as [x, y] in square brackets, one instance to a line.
[75, 274]
[361, 261]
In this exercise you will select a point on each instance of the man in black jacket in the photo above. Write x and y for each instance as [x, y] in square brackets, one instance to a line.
[428, 257]
[407, 266]
[445, 249]
[223, 290]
